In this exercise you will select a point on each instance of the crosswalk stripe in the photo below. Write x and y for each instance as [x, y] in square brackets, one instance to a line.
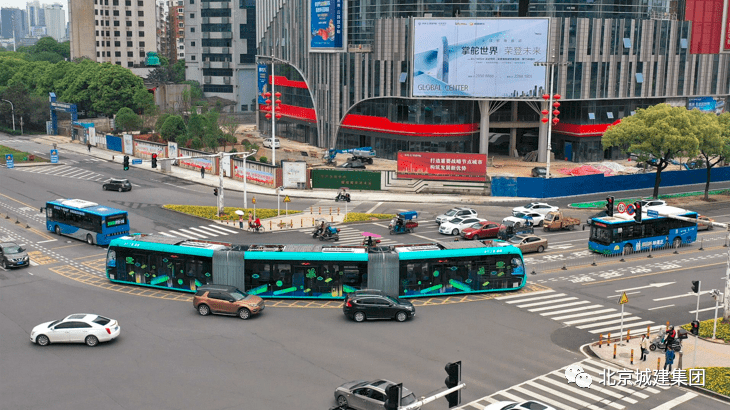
[222, 229]
[590, 319]
[511, 396]
[676, 401]
[602, 390]
[583, 392]
[521, 296]
[547, 301]
[606, 329]
[580, 302]
[188, 233]
[196, 230]
[559, 312]
[626, 318]
[209, 229]
[595, 312]
[617, 387]
[529, 299]
[544, 399]
[167, 234]
[177, 234]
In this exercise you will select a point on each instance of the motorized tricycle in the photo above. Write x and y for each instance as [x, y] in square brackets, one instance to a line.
[509, 229]
[342, 196]
[325, 231]
[403, 223]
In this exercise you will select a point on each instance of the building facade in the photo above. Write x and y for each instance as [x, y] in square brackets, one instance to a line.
[113, 31]
[220, 49]
[13, 23]
[623, 55]
[55, 20]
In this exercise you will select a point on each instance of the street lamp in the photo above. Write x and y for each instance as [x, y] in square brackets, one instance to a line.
[245, 176]
[278, 202]
[273, 101]
[552, 108]
[12, 109]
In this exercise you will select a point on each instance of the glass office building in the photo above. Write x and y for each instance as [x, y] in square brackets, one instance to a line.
[623, 55]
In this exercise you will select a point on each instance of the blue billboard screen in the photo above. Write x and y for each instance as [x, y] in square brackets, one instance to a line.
[326, 25]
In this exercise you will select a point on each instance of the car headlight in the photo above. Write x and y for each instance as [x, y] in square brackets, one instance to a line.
[25, 259]
[409, 307]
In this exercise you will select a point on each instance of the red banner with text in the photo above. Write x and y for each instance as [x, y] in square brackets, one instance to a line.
[442, 166]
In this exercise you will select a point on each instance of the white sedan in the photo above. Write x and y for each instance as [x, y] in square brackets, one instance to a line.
[456, 225]
[521, 218]
[538, 207]
[77, 328]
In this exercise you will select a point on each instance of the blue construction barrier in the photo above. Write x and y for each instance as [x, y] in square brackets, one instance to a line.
[591, 184]
[114, 143]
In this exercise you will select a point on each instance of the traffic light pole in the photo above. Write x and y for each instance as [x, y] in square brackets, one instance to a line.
[425, 400]
[220, 201]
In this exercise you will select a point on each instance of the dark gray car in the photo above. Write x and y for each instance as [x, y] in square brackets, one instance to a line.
[13, 255]
[363, 395]
[117, 185]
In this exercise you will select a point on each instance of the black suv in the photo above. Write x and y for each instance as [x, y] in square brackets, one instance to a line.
[370, 304]
[13, 255]
[117, 185]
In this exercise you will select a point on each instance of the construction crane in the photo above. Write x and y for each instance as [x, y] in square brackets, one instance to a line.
[364, 154]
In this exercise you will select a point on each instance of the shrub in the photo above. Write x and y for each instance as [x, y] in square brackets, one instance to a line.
[263, 160]
[360, 217]
[229, 212]
[723, 329]
[715, 379]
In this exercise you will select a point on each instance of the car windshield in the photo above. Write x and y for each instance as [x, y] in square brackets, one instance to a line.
[239, 295]
[53, 323]
[522, 215]
[515, 240]
[411, 398]
[391, 300]
[11, 249]
[451, 212]
[528, 206]
[456, 220]
[477, 225]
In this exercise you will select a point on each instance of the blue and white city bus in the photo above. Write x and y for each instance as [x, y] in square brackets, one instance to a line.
[613, 235]
[87, 221]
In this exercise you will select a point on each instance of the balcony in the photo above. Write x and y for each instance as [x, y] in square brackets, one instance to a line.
[225, 50]
[226, 80]
[205, 35]
[206, 50]
[206, 79]
[206, 64]
[205, 20]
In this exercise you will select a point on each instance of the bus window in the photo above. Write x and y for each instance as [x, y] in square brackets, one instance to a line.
[111, 259]
[282, 276]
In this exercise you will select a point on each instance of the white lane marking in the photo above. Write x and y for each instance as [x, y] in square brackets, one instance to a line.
[223, 229]
[193, 234]
[543, 302]
[573, 322]
[167, 234]
[529, 299]
[178, 234]
[627, 293]
[521, 296]
[211, 229]
[681, 296]
[610, 322]
[702, 310]
[196, 230]
[50, 240]
[676, 402]
[580, 302]
[555, 403]
[660, 307]
[33, 263]
[606, 329]
[369, 211]
[595, 312]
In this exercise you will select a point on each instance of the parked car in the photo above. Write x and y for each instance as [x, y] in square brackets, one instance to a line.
[648, 203]
[456, 225]
[374, 306]
[481, 230]
[364, 395]
[538, 172]
[539, 207]
[520, 218]
[13, 255]
[226, 300]
[703, 227]
[455, 213]
[117, 185]
[267, 143]
[529, 243]
[357, 164]
[77, 328]
[511, 405]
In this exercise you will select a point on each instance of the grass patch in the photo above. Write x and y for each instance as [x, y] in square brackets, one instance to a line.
[706, 326]
[716, 379]
[210, 212]
[18, 155]
[360, 217]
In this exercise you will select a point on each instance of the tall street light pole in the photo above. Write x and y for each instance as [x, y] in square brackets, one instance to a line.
[550, 110]
[12, 109]
[245, 176]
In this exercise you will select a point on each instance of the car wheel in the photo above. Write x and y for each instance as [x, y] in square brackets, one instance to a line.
[120, 190]
[321, 238]
[546, 228]
[541, 223]
[57, 230]
[710, 227]
[203, 309]
[518, 225]
[455, 232]
[103, 187]
[42, 340]
[358, 316]
[91, 341]
[401, 316]
[652, 347]
[342, 402]
[244, 313]
[540, 249]
[3, 264]
[89, 239]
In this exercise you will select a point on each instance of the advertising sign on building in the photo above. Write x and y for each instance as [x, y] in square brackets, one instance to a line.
[326, 25]
[172, 149]
[294, 173]
[442, 166]
[252, 175]
[481, 57]
[263, 82]
[128, 144]
[706, 104]
[726, 27]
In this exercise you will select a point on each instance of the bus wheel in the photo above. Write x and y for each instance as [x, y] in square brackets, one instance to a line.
[628, 249]
[89, 239]
[57, 230]
[676, 243]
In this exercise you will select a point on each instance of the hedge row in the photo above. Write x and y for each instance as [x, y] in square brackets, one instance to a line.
[210, 212]
[723, 329]
[360, 217]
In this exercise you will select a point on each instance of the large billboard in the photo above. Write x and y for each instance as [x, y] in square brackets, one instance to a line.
[481, 57]
[327, 25]
[442, 166]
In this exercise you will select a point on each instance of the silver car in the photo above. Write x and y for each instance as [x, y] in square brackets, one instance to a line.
[363, 395]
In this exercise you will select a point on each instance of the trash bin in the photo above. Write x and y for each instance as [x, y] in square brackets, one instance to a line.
[695, 328]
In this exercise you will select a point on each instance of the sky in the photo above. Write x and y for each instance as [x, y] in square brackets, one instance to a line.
[20, 4]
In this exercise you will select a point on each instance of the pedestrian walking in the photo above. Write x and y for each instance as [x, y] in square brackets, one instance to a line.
[240, 221]
[250, 218]
[668, 359]
[202, 171]
[88, 146]
[644, 347]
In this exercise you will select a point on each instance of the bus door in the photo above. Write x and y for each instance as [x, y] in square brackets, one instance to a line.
[178, 280]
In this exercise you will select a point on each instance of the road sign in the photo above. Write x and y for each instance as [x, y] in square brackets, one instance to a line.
[623, 299]
[621, 208]
[652, 213]
[630, 209]
[286, 199]
[9, 162]
[54, 156]
[137, 161]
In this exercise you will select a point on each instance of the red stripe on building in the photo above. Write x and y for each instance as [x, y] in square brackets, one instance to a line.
[382, 124]
[582, 130]
[282, 81]
[706, 18]
[292, 111]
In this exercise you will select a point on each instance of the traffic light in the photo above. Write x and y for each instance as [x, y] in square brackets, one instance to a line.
[126, 162]
[609, 206]
[392, 396]
[215, 191]
[696, 286]
[637, 212]
[453, 380]
[154, 160]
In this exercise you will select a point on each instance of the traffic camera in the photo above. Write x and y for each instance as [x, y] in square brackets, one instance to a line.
[154, 160]
[392, 396]
[215, 191]
[609, 206]
[126, 162]
[453, 380]
[637, 212]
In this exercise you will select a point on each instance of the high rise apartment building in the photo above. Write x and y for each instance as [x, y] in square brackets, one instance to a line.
[55, 21]
[35, 14]
[220, 49]
[13, 23]
[177, 27]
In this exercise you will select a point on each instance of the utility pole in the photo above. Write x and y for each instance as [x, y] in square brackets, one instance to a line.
[12, 110]
[726, 297]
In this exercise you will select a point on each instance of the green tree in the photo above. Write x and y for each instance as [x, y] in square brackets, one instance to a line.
[127, 120]
[714, 140]
[196, 143]
[31, 108]
[49, 56]
[225, 139]
[197, 126]
[50, 45]
[661, 130]
[161, 120]
[172, 128]
[144, 101]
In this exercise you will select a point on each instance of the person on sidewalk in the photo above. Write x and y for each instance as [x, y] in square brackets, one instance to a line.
[88, 146]
[644, 347]
[250, 218]
[669, 338]
[240, 221]
[202, 171]
[668, 359]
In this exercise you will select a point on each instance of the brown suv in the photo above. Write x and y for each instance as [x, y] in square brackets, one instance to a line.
[226, 300]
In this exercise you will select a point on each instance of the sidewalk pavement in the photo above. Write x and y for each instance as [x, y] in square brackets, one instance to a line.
[65, 144]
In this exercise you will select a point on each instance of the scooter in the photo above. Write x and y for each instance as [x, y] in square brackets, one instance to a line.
[327, 234]
[657, 343]
[342, 197]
